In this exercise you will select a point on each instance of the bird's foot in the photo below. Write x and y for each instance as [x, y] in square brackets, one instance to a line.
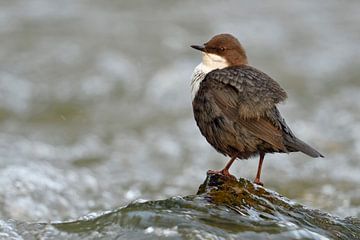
[258, 182]
[223, 172]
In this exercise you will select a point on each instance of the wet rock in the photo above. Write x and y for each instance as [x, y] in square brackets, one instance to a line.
[257, 202]
[220, 189]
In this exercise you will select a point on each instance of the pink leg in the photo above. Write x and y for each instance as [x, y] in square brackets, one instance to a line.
[257, 178]
[225, 170]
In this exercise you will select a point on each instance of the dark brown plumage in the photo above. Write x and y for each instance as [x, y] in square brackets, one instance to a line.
[235, 105]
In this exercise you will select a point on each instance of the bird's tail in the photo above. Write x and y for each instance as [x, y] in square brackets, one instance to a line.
[295, 144]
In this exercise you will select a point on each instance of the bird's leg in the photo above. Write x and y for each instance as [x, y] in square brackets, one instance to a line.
[257, 178]
[225, 170]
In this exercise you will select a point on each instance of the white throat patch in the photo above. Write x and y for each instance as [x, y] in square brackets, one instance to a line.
[213, 61]
[209, 62]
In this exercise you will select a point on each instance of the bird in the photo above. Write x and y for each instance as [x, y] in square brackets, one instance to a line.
[235, 106]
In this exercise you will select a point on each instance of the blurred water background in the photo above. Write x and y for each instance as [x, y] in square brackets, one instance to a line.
[95, 105]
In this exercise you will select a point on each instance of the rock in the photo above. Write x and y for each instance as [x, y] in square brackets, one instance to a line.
[257, 202]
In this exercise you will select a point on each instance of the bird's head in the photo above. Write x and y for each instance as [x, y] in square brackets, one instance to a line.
[221, 51]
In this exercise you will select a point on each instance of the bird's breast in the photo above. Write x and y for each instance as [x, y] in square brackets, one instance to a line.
[209, 63]
[198, 75]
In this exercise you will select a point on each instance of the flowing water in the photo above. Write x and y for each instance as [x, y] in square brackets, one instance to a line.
[95, 110]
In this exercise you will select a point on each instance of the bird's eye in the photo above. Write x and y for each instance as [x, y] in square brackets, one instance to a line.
[222, 49]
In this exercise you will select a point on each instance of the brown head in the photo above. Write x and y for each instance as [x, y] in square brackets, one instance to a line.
[225, 46]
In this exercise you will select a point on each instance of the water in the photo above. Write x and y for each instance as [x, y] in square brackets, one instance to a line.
[223, 209]
[95, 105]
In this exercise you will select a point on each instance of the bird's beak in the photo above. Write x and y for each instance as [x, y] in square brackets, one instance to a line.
[197, 47]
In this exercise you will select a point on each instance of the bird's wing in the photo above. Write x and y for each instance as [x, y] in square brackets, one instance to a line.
[248, 97]
[256, 91]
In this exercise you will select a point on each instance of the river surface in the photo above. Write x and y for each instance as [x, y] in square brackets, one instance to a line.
[95, 104]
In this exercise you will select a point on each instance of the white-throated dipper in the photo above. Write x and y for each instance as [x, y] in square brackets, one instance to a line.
[234, 105]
